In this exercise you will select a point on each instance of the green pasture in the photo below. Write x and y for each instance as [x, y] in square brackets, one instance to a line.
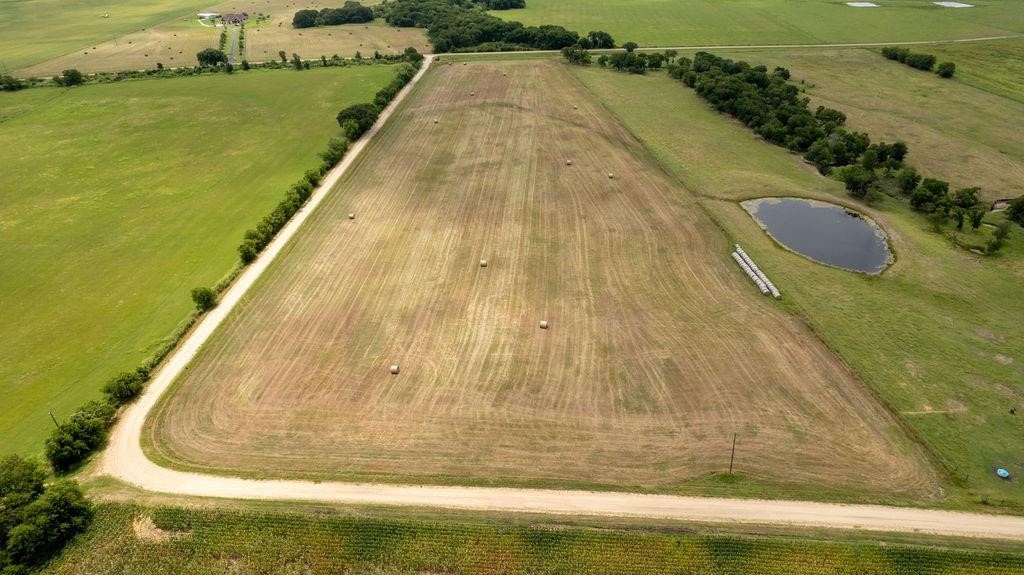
[996, 67]
[707, 22]
[32, 31]
[201, 541]
[117, 199]
[937, 337]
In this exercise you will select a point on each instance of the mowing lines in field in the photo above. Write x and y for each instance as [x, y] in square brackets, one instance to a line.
[654, 355]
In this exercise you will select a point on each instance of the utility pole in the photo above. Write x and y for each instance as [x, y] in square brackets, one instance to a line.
[54, 419]
[733, 456]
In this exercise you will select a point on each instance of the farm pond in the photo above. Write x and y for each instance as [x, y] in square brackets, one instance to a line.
[826, 233]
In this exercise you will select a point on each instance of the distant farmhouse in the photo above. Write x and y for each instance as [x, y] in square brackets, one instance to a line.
[234, 19]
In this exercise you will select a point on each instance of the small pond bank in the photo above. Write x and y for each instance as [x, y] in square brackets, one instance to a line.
[825, 233]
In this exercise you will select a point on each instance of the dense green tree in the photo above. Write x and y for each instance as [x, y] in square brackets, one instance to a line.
[124, 387]
[71, 77]
[297, 62]
[83, 432]
[857, 179]
[1015, 212]
[305, 18]
[976, 215]
[10, 84]
[907, 180]
[211, 57]
[930, 195]
[361, 118]
[48, 523]
[630, 46]
[600, 39]
[946, 69]
[284, 57]
[204, 298]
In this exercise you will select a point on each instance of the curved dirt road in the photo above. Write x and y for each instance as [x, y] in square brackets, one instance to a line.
[125, 460]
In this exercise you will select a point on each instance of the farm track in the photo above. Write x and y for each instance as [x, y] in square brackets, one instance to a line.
[124, 458]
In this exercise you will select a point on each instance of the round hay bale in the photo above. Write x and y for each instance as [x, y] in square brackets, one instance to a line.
[543, 324]
[351, 216]
[394, 369]
[472, 93]
[568, 162]
[435, 120]
[483, 263]
[610, 175]
[575, 107]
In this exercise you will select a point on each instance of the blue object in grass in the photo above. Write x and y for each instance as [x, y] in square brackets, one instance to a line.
[1003, 473]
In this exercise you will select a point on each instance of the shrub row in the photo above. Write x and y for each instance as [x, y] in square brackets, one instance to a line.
[36, 520]
[464, 25]
[354, 121]
[919, 60]
[350, 13]
[219, 65]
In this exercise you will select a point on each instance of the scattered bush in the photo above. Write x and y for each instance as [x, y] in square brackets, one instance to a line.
[503, 4]
[946, 69]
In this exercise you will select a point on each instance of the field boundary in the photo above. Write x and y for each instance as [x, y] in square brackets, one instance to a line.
[124, 458]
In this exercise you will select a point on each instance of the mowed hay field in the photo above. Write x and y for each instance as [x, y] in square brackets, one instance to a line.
[710, 22]
[658, 349]
[174, 43]
[117, 199]
[33, 31]
[937, 336]
[970, 134]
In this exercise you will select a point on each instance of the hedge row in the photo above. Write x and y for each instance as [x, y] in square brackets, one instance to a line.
[919, 60]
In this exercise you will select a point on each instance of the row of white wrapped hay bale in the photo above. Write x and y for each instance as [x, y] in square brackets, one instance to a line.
[759, 278]
[750, 273]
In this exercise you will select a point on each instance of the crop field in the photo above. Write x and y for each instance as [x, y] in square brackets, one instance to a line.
[33, 31]
[658, 350]
[956, 132]
[935, 336]
[134, 540]
[175, 42]
[117, 199]
[717, 22]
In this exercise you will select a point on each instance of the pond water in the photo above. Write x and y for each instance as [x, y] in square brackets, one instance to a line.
[823, 232]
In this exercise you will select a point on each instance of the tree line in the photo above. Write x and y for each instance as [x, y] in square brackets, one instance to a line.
[36, 520]
[350, 13]
[767, 103]
[465, 26]
[919, 60]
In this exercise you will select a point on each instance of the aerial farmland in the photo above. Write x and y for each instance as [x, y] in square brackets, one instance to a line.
[478, 286]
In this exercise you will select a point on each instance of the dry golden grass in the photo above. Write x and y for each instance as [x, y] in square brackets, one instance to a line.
[658, 349]
[176, 43]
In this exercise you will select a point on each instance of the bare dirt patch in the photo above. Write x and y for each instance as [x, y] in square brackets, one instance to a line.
[657, 350]
[146, 530]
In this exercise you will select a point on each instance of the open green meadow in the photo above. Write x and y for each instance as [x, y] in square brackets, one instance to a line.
[117, 199]
[996, 67]
[936, 337]
[32, 31]
[129, 539]
[706, 22]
